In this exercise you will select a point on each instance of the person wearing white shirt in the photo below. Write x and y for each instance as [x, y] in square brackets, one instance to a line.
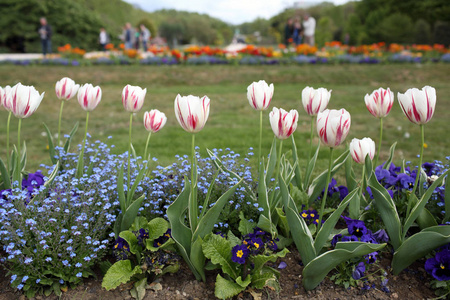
[309, 27]
[103, 38]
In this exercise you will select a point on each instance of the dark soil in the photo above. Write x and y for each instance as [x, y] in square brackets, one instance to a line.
[412, 283]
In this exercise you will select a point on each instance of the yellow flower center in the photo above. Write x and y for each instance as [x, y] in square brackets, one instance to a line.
[312, 215]
[240, 253]
[442, 266]
[357, 229]
[256, 245]
[304, 215]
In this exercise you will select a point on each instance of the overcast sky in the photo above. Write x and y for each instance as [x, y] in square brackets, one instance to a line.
[231, 11]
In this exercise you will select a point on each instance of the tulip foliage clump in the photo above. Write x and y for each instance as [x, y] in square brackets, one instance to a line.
[220, 212]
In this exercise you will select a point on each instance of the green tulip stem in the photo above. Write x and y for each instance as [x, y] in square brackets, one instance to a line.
[84, 145]
[193, 207]
[379, 142]
[18, 153]
[277, 172]
[146, 146]
[59, 121]
[260, 135]
[419, 168]
[311, 136]
[7, 140]
[324, 199]
[129, 154]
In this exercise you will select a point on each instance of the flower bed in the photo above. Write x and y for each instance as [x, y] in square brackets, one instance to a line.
[223, 213]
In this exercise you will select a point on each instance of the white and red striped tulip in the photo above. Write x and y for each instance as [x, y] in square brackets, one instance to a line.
[154, 120]
[133, 98]
[283, 123]
[4, 92]
[333, 126]
[259, 95]
[418, 105]
[359, 149]
[24, 100]
[192, 112]
[315, 100]
[89, 96]
[379, 103]
[66, 88]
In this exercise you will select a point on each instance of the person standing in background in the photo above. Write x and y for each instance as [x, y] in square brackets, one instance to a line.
[298, 32]
[309, 26]
[145, 37]
[45, 33]
[128, 36]
[137, 38]
[288, 32]
[103, 38]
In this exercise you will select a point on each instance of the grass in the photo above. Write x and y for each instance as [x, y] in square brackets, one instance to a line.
[232, 122]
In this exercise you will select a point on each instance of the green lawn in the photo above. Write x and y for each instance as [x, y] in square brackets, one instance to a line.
[232, 122]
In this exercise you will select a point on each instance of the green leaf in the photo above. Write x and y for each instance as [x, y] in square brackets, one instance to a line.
[316, 270]
[198, 258]
[23, 160]
[57, 289]
[266, 225]
[156, 228]
[282, 221]
[244, 283]
[6, 180]
[318, 184]
[71, 134]
[52, 175]
[139, 288]
[51, 146]
[328, 226]
[263, 279]
[310, 167]
[447, 201]
[271, 164]
[388, 211]
[138, 223]
[225, 288]
[299, 230]
[298, 174]
[350, 175]
[138, 179]
[120, 190]
[131, 213]
[426, 219]
[260, 260]
[221, 166]
[419, 245]
[234, 240]
[263, 198]
[91, 164]
[245, 226]
[218, 250]
[133, 152]
[206, 223]
[419, 205]
[388, 162]
[131, 240]
[120, 272]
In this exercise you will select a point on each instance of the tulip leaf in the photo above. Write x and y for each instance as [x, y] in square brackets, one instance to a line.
[52, 175]
[23, 159]
[198, 258]
[206, 223]
[233, 174]
[298, 173]
[299, 230]
[120, 190]
[131, 212]
[6, 180]
[310, 166]
[420, 204]
[388, 211]
[318, 184]
[51, 146]
[419, 245]
[388, 162]
[208, 195]
[271, 164]
[328, 226]
[133, 153]
[91, 164]
[263, 197]
[136, 182]
[426, 219]
[69, 139]
[447, 201]
[316, 270]
[350, 175]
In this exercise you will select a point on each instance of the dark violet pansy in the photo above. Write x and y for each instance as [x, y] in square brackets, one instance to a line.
[381, 236]
[359, 270]
[356, 227]
[335, 239]
[371, 257]
[439, 266]
[239, 254]
[349, 238]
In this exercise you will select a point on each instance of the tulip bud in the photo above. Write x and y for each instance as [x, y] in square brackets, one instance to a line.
[418, 105]
[23, 100]
[379, 103]
[315, 100]
[133, 98]
[154, 120]
[283, 123]
[259, 95]
[66, 88]
[89, 96]
[4, 92]
[333, 126]
[192, 112]
[359, 149]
